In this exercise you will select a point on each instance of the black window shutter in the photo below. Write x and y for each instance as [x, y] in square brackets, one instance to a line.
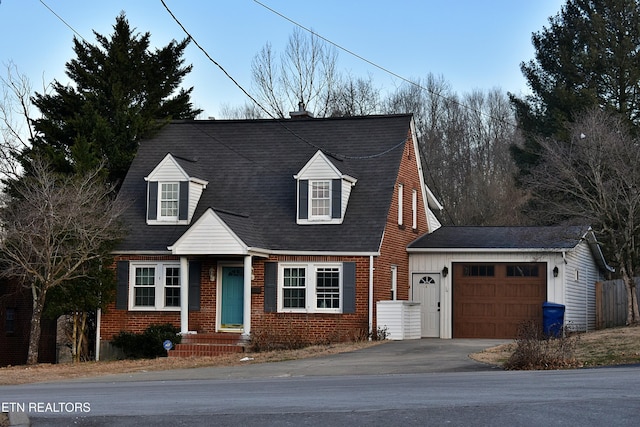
[152, 202]
[270, 287]
[183, 206]
[195, 268]
[303, 199]
[122, 285]
[349, 287]
[336, 198]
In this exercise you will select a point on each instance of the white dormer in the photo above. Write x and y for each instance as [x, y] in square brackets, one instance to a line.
[172, 195]
[322, 192]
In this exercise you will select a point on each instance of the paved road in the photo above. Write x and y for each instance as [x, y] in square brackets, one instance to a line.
[425, 382]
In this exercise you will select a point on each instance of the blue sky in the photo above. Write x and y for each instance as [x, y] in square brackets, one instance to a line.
[473, 44]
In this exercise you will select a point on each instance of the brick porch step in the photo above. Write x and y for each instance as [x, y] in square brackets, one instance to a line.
[214, 344]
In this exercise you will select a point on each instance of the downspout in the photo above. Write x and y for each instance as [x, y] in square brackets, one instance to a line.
[370, 296]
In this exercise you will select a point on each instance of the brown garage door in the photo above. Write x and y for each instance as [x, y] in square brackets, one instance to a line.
[492, 300]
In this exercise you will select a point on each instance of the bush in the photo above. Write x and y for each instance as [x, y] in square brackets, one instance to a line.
[266, 339]
[534, 350]
[148, 344]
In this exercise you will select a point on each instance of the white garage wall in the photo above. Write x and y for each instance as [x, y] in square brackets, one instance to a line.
[435, 262]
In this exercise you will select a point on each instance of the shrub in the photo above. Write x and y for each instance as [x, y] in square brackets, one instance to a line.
[148, 344]
[266, 339]
[534, 350]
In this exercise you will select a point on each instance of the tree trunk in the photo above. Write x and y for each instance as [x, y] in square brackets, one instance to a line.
[632, 301]
[34, 333]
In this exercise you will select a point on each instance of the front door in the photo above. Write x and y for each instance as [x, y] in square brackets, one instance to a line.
[232, 309]
[425, 289]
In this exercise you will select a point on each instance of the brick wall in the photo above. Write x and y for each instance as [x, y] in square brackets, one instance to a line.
[396, 238]
[316, 327]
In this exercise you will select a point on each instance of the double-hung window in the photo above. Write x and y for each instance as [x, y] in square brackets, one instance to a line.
[310, 288]
[155, 286]
[169, 200]
[320, 199]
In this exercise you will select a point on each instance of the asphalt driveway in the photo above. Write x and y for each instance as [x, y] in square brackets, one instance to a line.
[427, 355]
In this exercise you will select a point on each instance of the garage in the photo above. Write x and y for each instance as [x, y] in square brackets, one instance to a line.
[493, 300]
[488, 280]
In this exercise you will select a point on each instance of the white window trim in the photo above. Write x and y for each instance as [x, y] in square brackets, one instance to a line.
[172, 218]
[310, 288]
[400, 203]
[313, 217]
[414, 209]
[160, 269]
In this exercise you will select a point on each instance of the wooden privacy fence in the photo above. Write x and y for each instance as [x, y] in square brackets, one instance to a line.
[611, 303]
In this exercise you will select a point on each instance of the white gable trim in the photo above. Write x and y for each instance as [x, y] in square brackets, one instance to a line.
[209, 235]
[168, 170]
[320, 167]
[429, 199]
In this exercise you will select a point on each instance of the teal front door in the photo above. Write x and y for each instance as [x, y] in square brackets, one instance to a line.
[232, 310]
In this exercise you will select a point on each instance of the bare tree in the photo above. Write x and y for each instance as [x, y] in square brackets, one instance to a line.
[53, 228]
[305, 73]
[464, 144]
[15, 119]
[595, 177]
[355, 97]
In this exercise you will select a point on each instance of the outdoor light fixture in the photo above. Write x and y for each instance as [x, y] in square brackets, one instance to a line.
[212, 274]
[445, 271]
[555, 271]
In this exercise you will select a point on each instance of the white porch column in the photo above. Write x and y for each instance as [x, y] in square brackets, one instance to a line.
[184, 295]
[247, 297]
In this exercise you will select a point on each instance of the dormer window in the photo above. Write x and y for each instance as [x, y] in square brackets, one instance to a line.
[169, 201]
[172, 193]
[322, 192]
[320, 199]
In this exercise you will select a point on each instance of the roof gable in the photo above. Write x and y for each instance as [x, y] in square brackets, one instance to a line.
[209, 234]
[168, 169]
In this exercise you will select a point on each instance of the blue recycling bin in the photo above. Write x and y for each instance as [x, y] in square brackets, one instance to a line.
[552, 319]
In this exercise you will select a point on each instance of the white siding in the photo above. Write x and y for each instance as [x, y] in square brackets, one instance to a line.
[346, 192]
[318, 168]
[168, 171]
[435, 262]
[209, 235]
[195, 191]
[578, 296]
[581, 274]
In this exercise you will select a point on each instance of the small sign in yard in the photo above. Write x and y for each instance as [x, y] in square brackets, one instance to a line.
[167, 344]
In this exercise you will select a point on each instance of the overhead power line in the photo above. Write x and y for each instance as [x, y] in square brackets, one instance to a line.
[63, 21]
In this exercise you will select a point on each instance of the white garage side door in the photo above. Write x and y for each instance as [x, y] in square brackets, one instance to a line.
[425, 289]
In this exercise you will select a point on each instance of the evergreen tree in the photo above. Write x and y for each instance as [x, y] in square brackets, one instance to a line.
[588, 56]
[121, 92]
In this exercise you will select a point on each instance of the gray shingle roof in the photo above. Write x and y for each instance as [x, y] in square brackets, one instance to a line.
[517, 238]
[250, 164]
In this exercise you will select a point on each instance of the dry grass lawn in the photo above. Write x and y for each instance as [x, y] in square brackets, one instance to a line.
[56, 372]
[606, 347]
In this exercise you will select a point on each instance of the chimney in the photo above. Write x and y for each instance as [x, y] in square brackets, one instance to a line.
[301, 113]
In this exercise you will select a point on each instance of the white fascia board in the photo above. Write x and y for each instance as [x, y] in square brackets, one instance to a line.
[487, 250]
[199, 181]
[428, 197]
[135, 252]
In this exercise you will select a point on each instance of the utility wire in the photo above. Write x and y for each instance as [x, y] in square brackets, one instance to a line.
[63, 21]
[386, 70]
[278, 120]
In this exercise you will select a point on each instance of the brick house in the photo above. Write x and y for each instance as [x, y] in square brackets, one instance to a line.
[247, 225]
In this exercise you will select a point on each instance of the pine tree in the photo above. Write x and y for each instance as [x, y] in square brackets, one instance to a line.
[588, 56]
[121, 92]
